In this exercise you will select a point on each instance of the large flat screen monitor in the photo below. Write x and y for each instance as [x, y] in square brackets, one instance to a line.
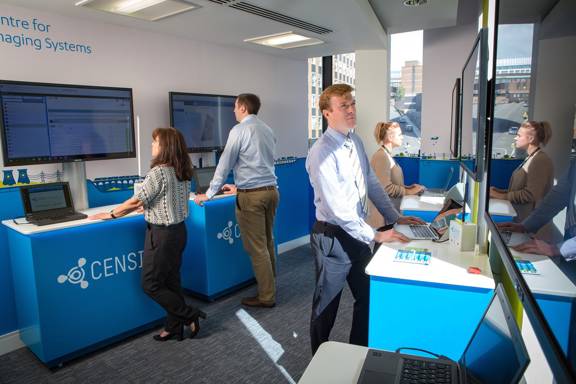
[473, 88]
[455, 120]
[204, 120]
[53, 123]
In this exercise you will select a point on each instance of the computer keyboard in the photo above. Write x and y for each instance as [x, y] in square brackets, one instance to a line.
[419, 371]
[58, 219]
[422, 231]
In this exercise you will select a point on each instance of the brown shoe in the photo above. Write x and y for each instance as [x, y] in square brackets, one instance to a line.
[254, 302]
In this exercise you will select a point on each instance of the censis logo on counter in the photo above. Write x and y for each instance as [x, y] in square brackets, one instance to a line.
[229, 232]
[101, 269]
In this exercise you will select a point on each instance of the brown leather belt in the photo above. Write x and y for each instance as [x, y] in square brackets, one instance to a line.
[267, 188]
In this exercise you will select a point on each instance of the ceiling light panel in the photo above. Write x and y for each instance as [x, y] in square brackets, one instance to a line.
[151, 10]
[285, 40]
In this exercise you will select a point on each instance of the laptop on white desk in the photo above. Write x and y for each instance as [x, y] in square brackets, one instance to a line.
[495, 354]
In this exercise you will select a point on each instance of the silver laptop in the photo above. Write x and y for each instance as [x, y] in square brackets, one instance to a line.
[49, 203]
[432, 231]
[495, 354]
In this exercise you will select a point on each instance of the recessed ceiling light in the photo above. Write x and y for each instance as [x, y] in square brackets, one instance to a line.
[414, 3]
[151, 10]
[285, 40]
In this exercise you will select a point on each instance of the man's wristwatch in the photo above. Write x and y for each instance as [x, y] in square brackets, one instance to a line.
[112, 214]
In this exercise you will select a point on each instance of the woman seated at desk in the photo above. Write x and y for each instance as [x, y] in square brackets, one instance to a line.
[389, 136]
[532, 180]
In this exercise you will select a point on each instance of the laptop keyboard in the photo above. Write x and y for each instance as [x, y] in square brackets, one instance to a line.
[59, 219]
[419, 371]
[422, 231]
[506, 236]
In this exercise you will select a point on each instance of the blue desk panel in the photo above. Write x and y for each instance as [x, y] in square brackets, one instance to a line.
[410, 168]
[214, 261]
[501, 171]
[79, 288]
[438, 318]
[434, 173]
[10, 207]
[559, 313]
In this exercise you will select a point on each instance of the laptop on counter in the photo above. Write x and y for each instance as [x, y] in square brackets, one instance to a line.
[50, 203]
[495, 354]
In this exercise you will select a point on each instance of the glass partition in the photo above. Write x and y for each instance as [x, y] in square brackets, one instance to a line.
[533, 172]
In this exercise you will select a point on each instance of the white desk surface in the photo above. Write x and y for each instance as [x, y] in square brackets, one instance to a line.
[434, 204]
[30, 229]
[550, 280]
[335, 363]
[193, 195]
[447, 266]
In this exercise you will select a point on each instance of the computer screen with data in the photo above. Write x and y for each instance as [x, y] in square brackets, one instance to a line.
[50, 123]
[204, 120]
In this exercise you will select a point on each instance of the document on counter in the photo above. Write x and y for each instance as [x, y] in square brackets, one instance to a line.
[413, 255]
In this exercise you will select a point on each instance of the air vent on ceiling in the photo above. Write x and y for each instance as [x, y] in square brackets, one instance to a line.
[271, 15]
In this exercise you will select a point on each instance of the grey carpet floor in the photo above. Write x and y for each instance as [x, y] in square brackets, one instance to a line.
[235, 344]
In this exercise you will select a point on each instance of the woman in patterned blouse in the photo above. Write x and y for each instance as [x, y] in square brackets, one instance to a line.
[164, 196]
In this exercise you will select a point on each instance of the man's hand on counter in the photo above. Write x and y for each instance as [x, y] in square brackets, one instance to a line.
[200, 198]
[229, 189]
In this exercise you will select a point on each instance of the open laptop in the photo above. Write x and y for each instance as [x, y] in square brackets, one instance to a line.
[495, 354]
[202, 179]
[49, 203]
[444, 190]
[513, 239]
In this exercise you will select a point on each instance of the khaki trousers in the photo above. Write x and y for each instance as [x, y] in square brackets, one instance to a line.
[255, 212]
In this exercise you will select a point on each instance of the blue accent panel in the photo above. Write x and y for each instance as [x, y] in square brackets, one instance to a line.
[214, 260]
[438, 318]
[434, 173]
[10, 208]
[558, 311]
[427, 216]
[410, 168]
[74, 290]
[292, 216]
[501, 219]
[501, 171]
[97, 198]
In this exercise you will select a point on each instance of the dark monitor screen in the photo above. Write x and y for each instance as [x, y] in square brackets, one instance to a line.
[470, 140]
[455, 120]
[496, 353]
[204, 120]
[39, 198]
[49, 123]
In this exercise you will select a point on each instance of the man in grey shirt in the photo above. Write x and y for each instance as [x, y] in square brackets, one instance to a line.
[342, 179]
[249, 151]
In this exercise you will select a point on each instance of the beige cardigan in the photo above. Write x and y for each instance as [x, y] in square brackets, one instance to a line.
[530, 183]
[391, 178]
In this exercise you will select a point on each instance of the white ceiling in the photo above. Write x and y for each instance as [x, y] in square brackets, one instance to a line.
[355, 24]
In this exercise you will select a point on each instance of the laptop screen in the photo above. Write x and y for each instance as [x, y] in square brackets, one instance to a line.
[45, 197]
[496, 352]
[204, 177]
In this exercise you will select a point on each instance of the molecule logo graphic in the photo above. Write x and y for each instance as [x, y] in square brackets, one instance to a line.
[227, 233]
[75, 275]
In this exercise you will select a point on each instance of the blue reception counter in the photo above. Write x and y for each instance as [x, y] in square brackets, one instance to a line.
[435, 307]
[214, 262]
[77, 284]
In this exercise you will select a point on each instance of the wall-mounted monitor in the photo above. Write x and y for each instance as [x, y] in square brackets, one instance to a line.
[455, 120]
[204, 120]
[53, 123]
[473, 88]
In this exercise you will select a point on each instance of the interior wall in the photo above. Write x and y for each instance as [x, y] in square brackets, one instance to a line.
[555, 88]
[444, 54]
[152, 65]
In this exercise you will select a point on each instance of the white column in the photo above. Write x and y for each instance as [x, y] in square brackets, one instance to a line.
[372, 94]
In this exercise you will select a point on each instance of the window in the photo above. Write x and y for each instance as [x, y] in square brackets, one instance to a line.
[406, 88]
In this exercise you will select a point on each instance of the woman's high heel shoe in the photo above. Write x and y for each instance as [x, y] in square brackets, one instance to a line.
[173, 335]
[196, 322]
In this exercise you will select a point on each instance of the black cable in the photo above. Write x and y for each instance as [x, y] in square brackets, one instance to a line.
[425, 351]
[17, 223]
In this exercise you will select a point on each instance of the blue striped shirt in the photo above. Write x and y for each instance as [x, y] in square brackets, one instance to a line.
[249, 152]
[335, 194]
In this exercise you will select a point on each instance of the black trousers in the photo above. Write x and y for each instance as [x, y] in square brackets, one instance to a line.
[161, 263]
[339, 258]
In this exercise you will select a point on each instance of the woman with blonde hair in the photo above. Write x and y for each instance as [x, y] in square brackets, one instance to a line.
[535, 176]
[389, 136]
